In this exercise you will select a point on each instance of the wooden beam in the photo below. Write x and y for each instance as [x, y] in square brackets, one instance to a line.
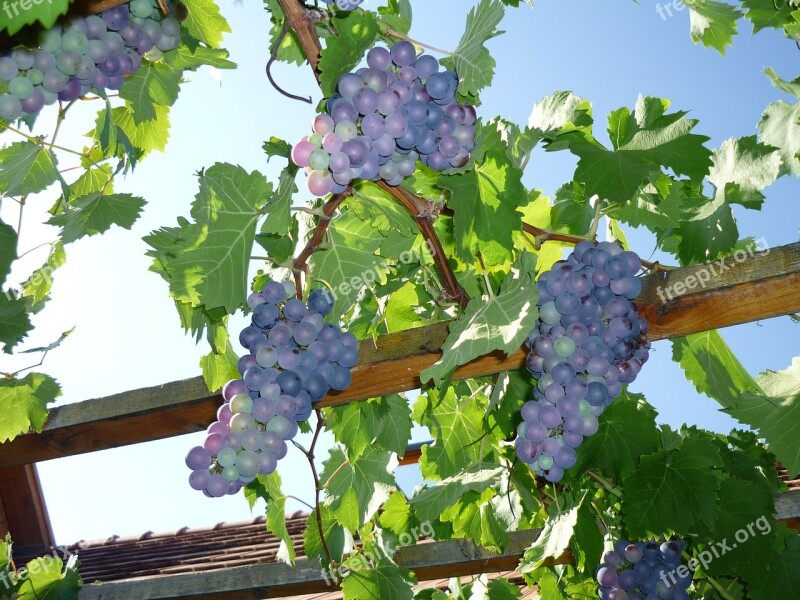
[751, 290]
[23, 511]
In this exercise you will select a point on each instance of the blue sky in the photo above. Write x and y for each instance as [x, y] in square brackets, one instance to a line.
[128, 335]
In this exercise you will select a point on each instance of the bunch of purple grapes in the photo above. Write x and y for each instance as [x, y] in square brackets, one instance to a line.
[387, 116]
[588, 342]
[85, 53]
[644, 571]
[345, 4]
[294, 359]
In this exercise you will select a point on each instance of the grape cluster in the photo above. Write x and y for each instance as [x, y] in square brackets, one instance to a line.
[294, 359]
[386, 116]
[588, 342]
[345, 4]
[91, 52]
[643, 571]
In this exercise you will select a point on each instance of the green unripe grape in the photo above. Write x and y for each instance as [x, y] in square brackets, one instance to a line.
[10, 107]
[241, 403]
[20, 87]
[584, 408]
[153, 54]
[545, 380]
[230, 473]
[521, 429]
[50, 40]
[564, 346]
[315, 139]
[319, 160]
[141, 8]
[549, 313]
[35, 76]
[242, 421]
[74, 41]
[226, 457]
[545, 462]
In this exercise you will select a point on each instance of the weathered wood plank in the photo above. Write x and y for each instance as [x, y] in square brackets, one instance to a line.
[23, 512]
[433, 560]
[755, 289]
[449, 558]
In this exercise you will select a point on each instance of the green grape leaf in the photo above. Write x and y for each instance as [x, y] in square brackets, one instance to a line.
[555, 537]
[211, 261]
[767, 13]
[713, 23]
[502, 589]
[45, 579]
[775, 413]
[780, 124]
[15, 321]
[356, 33]
[37, 287]
[587, 540]
[501, 322]
[397, 15]
[708, 229]
[776, 574]
[193, 56]
[96, 179]
[205, 22]
[627, 431]
[277, 147]
[509, 393]
[5, 569]
[484, 200]
[145, 136]
[337, 538]
[8, 250]
[560, 112]
[643, 141]
[354, 425]
[741, 504]
[394, 423]
[396, 514]
[430, 501]
[672, 489]
[349, 260]
[290, 50]
[471, 60]
[154, 84]
[355, 489]
[279, 219]
[742, 168]
[456, 425]
[51, 345]
[368, 579]
[711, 366]
[219, 368]
[24, 404]
[475, 517]
[16, 15]
[26, 168]
[268, 488]
[94, 213]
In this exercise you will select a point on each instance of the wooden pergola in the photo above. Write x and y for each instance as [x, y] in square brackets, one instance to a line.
[760, 287]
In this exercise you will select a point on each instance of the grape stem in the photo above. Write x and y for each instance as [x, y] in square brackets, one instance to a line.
[41, 142]
[592, 233]
[316, 212]
[300, 265]
[486, 281]
[714, 583]
[317, 489]
[401, 36]
[605, 483]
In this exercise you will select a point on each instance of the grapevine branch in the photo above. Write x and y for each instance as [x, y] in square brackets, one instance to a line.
[300, 265]
[424, 214]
